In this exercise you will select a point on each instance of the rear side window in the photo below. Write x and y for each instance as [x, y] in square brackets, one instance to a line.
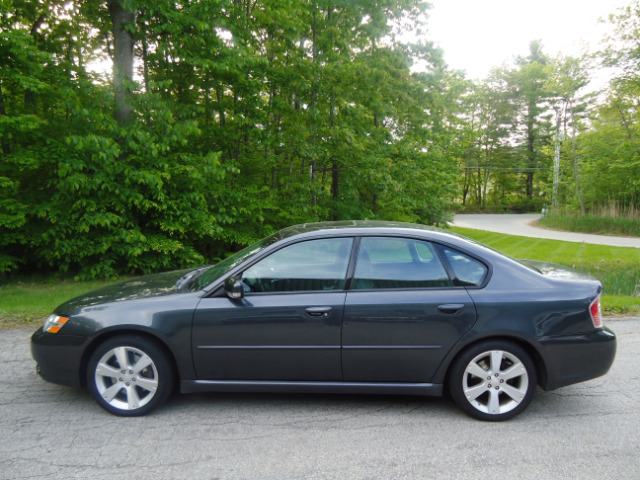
[468, 271]
[385, 263]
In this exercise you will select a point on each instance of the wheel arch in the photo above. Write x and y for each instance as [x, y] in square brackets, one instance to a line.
[109, 334]
[443, 373]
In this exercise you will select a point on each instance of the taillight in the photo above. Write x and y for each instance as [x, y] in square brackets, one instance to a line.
[595, 310]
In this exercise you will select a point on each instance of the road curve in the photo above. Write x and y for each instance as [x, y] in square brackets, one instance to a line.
[520, 224]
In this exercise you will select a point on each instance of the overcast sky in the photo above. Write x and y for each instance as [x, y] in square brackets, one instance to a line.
[479, 34]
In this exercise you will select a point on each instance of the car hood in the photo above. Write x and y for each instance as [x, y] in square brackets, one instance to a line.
[553, 270]
[141, 287]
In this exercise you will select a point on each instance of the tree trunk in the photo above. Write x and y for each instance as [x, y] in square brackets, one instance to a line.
[312, 166]
[465, 189]
[487, 172]
[123, 21]
[575, 161]
[530, 172]
[6, 149]
[628, 130]
[335, 182]
[29, 95]
[145, 63]
[530, 153]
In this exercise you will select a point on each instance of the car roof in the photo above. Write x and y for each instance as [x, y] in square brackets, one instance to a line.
[356, 226]
[390, 228]
[368, 227]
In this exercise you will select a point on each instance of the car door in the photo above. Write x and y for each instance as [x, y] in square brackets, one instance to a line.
[288, 324]
[402, 313]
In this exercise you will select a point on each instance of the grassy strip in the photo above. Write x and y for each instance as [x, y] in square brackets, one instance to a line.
[27, 304]
[618, 268]
[625, 226]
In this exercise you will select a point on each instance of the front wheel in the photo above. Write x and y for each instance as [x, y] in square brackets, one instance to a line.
[129, 375]
[493, 380]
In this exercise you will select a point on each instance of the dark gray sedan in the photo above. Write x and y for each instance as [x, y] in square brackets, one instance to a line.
[344, 307]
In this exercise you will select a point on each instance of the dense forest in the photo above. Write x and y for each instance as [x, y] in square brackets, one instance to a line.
[224, 120]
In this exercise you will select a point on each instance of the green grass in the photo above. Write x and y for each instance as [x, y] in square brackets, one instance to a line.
[603, 225]
[618, 268]
[27, 304]
[620, 305]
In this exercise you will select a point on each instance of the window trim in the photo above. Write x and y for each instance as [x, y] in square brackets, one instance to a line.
[219, 291]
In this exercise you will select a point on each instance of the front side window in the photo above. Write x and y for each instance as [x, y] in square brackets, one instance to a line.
[385, 262]
[306, 266]
[216, 271]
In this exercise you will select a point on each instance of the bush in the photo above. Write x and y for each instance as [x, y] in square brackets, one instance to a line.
[601, 225]
[105, 201]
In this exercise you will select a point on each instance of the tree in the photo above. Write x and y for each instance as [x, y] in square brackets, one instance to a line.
[490, 117]
[123, 17]
[507, 130]
[251, 115]
[566, 77]
[612, 146]
[36, 61]
[528, 82]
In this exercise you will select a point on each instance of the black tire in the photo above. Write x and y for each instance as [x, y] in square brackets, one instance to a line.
[493, 380]
[133, 389]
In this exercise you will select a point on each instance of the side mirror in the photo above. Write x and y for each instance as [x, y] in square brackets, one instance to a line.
[233, 287]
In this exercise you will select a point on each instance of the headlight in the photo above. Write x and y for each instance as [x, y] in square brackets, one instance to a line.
[54, 323]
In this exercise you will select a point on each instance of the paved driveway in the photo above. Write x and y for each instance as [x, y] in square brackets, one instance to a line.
[514, 224]
[585, 431]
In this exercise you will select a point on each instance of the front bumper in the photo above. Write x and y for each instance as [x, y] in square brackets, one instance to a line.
[576, 358]
[59, 357]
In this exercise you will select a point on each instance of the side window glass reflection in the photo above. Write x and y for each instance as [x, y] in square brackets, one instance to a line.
[314, 265]
[387, 262]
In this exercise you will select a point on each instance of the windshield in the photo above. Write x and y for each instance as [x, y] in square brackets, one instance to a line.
[216, 271]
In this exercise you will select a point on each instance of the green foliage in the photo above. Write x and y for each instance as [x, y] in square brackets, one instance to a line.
[249, 116]
[130, 201]
[600, 225]
[609, 151]
[530, 135]
[611, 159]
[505, 131]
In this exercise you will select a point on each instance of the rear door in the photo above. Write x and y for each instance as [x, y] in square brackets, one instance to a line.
[402, 313]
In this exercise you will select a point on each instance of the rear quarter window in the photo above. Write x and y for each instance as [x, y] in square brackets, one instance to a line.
[468, 271]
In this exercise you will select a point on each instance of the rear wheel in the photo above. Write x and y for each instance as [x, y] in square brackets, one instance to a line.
[493, 380]
[129, 375]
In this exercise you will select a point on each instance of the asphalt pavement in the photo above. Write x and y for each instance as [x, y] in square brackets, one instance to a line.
[585, 431]
[521, 224]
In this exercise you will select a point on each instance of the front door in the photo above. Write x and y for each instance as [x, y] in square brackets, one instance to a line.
[288, 324]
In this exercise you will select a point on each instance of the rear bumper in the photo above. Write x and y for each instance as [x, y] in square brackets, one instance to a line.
[58, 357]
[576, 358]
